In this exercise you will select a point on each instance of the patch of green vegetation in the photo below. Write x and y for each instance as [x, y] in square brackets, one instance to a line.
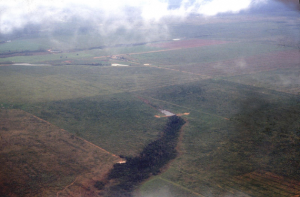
[272, 135]
[25, 45]
[216, 149]
[204, 96]
[47, 58]
[286, 80]
[159, 187]
[119, 123]
[149, 161]
[23, 84]
[207, 54]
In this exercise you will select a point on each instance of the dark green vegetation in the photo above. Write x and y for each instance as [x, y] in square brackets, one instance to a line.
[242, 133]
[149, 162]
[272, 135]
[98, 118]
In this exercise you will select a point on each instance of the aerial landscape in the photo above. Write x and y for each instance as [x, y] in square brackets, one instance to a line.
[161, 98]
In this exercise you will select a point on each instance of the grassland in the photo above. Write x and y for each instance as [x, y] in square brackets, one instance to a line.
[283, 80]
[98, 118]
[39, 84]
[242, 133]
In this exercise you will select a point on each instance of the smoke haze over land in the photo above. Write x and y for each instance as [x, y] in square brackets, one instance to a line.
[115, 13]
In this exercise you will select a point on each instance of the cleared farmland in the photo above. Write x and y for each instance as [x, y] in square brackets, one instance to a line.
[40, 159]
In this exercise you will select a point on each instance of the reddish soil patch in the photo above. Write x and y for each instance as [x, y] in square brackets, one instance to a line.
[248, 65]
[40, 159]
[188, 43]
[268, 183]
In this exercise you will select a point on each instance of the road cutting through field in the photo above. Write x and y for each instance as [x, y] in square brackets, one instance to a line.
[141, 52]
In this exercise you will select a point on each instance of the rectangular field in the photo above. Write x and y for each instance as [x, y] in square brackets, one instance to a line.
[159, 187]
[207, 54]
[282, 79]
[182, 44]
[246, 65]
[40, 159]
[24, 84]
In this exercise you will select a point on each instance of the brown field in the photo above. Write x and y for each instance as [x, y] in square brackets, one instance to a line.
[248, 65]
[182, 44]
[40, 159]
[263, 183]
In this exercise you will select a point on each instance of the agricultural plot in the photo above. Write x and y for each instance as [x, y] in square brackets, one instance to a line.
[207, 54]
[232, 28]
[160, 187]
[40, 159]
[282, 79]
[25, 45]
[204, 96]
[212, 142]
[247, 65]
[262, 183]
[242, 126]
[46, 58]
[120, 123]
[38, 84]
[188, 43]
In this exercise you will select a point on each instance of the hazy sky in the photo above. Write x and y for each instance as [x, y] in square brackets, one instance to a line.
[16, 14]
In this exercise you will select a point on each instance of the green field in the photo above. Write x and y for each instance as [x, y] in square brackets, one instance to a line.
[239, 128]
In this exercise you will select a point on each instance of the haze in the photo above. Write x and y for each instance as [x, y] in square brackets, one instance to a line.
[139, 98]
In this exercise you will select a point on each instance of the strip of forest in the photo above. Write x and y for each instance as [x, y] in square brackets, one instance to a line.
[124, 178]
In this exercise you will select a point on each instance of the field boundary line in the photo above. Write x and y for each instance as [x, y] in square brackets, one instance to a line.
[57, 194]
[140, 52]
[188, 108]
[182, 71]
[96, 146]
[269, 89]
[182, 187]
[74, 136]
[162, 50]
[161, 86]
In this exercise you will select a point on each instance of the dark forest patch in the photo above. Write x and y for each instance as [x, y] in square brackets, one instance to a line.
[124, 178]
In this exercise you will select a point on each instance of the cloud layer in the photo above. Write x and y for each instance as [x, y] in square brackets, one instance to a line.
[16, 14]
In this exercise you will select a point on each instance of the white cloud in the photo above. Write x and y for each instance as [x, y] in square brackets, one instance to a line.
[15, 14]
